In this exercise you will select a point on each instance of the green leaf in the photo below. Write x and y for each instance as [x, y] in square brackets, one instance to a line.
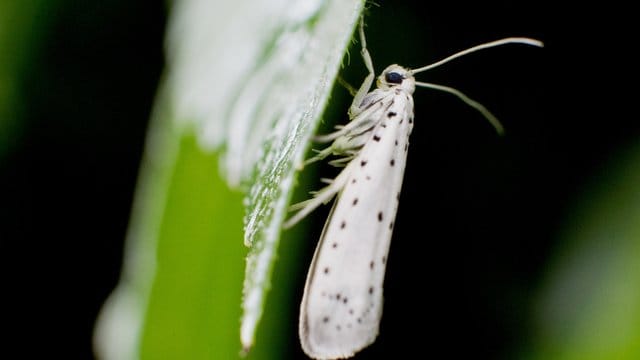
[307, 85]
[245, 86]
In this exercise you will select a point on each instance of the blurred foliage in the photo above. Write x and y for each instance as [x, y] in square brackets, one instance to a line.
[21, 26]
[197, 244]
[589, 304]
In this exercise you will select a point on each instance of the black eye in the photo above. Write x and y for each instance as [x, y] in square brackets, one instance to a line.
[393, 78]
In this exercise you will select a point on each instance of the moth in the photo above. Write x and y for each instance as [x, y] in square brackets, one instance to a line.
[342, 301]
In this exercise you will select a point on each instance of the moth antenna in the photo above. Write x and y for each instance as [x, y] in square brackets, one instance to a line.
[474, 104]
[509, 40]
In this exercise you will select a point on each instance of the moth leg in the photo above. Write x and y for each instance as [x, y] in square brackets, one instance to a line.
[368, 81]
[322, 196]
[320, 155]
[347, 86]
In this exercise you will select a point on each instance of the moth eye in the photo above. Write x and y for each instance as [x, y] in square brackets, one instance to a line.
[393, 78]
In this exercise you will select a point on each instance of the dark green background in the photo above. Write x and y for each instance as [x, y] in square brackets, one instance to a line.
[480, 215]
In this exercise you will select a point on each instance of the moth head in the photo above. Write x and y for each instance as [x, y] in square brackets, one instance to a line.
[395, 76]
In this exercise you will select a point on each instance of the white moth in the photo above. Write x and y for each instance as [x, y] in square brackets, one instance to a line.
[342, 302]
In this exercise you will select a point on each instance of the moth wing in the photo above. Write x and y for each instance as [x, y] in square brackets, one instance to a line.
[342, 303]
